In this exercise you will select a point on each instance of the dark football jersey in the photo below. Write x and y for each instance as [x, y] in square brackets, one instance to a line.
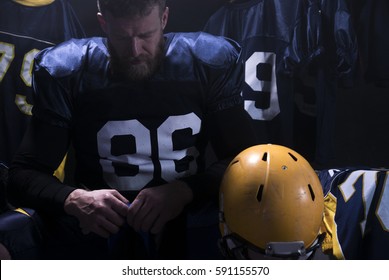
[277, 40]
[336, 68]
[357, 213]
[128, 135]
[25, 30]
[371, 18]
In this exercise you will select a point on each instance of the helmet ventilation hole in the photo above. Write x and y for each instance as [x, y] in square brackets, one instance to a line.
[311, 191]
[264, 157]
[259, 194]
[293, 157]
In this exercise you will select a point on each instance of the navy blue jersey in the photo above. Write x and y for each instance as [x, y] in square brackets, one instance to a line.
[357, 213]
[278, 39]
[371, 20]
[128, 135]
[336, 68]
[339, 40]
[25, 30]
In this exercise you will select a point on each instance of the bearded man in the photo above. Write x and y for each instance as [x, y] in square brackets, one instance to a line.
[139, 108]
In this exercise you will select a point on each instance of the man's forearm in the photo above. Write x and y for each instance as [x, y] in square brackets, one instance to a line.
[31, 188]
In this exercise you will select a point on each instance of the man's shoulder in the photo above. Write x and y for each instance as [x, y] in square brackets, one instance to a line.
[71, 55]
[203, 46]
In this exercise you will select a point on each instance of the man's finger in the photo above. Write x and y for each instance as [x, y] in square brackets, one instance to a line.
[120, 197]
[143, 218]
[133, 210]
[152, 220]
[120, 207]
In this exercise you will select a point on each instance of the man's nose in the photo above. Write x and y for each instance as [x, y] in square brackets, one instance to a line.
[135, 47]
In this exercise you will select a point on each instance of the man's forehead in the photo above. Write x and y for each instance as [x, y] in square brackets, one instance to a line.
[131, 14]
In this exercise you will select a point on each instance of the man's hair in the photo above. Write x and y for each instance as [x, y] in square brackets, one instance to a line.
[129, 8]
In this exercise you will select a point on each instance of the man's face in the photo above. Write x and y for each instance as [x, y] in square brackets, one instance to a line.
[135, 44]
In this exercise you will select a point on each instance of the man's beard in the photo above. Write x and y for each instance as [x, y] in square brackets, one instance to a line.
[129, 69]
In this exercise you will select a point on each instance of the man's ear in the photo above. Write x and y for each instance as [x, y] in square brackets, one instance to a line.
[102, 22]
[165, 17]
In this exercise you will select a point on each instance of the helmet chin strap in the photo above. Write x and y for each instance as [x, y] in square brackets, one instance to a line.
[294, 250]
[232, 250]
[286, 249]
[233, 246]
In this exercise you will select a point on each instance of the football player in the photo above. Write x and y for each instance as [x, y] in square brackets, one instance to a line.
[139, 108]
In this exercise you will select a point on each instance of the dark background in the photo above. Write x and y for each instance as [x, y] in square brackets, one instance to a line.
[185, 15]
[362, 137]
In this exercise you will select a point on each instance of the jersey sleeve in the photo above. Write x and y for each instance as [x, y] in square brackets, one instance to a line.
[339, 40]
[56, 73]
[31, 183]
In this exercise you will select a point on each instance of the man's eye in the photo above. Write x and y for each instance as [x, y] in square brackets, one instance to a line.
[120, 38]
[146, 36]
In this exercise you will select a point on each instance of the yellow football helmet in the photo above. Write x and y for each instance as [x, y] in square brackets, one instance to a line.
[271, 201]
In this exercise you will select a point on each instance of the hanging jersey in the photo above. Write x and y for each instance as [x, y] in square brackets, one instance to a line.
[277, 40]
[371, 19]
[25, 30]
[336, 68]
[339, 40]
[357, 213]
[128, 135]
